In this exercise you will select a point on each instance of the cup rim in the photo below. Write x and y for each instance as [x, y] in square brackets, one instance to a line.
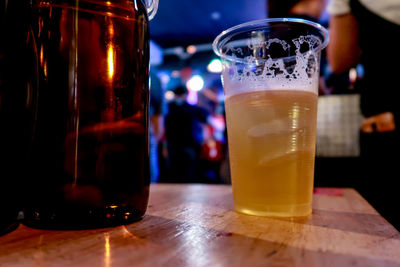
[255, 23]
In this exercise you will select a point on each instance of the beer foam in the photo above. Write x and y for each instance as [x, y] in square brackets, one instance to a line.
[252, 68]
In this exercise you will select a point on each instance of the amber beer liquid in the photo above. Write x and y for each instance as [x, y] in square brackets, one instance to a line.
[271, 137]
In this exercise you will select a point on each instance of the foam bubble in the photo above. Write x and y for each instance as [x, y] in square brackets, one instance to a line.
[252, 68]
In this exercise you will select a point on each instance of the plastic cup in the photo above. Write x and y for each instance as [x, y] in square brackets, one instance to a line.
[270, 77]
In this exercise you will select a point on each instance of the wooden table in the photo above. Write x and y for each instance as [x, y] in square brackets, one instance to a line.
[195, 225]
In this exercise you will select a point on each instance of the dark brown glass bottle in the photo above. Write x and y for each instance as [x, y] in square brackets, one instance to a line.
[89, 165]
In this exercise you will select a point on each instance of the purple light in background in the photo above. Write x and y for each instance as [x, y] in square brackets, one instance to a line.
[192, 98]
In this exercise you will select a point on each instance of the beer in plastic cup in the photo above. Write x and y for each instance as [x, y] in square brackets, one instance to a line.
[270, 77]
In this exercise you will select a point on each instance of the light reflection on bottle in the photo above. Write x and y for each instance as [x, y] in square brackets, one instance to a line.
[109, 112]
[41, 55]
[111, 52]
[45, 69]
[110, 61]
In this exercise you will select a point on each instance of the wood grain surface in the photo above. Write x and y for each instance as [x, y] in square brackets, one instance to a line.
[195, 225]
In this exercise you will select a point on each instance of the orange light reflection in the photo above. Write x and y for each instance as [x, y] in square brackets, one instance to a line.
[45, 69]
[41, 56]
[107, 253]
[110, 61]
[111, 52]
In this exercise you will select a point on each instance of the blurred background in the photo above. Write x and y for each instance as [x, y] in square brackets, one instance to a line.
[185, 70]
[181, 54]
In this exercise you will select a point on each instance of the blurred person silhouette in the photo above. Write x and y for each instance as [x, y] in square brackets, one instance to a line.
[157, 129]
[306, 9]
[366, 32]
[212, 151]
[184, 133]
[311, 10]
